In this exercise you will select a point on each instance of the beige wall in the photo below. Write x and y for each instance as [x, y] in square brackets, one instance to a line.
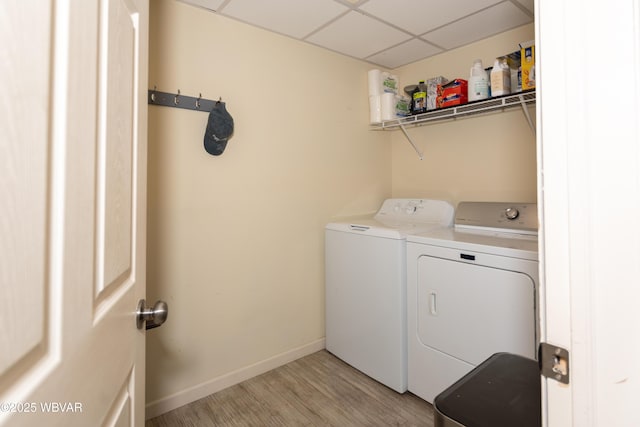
[236, 241]
[488, 158]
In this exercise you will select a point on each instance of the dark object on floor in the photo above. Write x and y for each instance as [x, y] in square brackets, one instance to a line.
[503, 391]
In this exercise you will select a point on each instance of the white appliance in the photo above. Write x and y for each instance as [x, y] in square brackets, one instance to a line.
[365, 265]
[471, 292]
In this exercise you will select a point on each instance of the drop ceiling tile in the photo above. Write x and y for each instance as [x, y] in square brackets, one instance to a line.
[351, 2]
[494, 20]
[294, 18]
[420, 16]
[357, 35]
[207, 4]
[403, 54]
[528, 4]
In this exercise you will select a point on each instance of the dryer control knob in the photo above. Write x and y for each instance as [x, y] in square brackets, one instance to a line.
[511, 213]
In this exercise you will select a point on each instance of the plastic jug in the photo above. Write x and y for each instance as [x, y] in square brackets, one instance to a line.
[500, 78]
[478, 82]
[419, 99]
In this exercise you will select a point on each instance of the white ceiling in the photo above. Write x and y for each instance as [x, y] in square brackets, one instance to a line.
[387, 33]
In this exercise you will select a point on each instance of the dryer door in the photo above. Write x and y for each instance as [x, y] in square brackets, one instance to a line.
[471, 311]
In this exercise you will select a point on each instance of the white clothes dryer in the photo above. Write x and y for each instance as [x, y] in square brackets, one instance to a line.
[471, 293]
[365, 266]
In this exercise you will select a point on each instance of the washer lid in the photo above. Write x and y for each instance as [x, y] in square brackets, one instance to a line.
[399, 217]
[371, 227]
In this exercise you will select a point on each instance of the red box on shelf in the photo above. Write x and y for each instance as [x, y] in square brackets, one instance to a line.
[452, 93]
[452, 100]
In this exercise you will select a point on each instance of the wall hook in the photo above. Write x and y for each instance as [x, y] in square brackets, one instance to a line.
[178, 100]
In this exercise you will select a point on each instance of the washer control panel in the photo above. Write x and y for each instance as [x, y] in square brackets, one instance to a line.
[521, 218]
[416, 211]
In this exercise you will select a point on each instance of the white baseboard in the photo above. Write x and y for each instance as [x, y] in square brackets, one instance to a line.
[166, 404]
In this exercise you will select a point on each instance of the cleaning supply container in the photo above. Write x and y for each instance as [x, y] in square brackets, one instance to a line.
[478, 82]
[419, 99]
[500, 78]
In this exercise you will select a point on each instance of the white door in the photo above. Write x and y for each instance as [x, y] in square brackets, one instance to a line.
[588, 61]
[72, 184]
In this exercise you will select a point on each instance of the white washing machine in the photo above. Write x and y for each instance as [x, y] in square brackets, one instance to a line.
[365, 265]
[471, 292]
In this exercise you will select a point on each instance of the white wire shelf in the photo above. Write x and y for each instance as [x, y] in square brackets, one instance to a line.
[477, 107]
[520, 99]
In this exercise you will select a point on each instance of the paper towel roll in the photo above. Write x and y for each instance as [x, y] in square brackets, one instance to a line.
[375, 111]
[388, 106]
[375, 82]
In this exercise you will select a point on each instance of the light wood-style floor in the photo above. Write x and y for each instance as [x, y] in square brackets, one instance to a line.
[316, 390]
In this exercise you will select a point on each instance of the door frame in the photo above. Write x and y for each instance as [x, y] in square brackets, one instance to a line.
[588, 192]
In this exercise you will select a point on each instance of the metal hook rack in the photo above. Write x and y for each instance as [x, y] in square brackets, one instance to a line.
[177, 100]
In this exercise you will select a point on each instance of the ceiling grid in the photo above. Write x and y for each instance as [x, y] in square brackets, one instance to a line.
[386, 33]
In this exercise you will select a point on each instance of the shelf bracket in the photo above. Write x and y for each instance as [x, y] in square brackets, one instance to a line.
[526, 114]
[411, 141]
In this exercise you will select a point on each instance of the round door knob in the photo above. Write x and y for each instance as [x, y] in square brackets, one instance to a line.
[511, 213]
[151, 317]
